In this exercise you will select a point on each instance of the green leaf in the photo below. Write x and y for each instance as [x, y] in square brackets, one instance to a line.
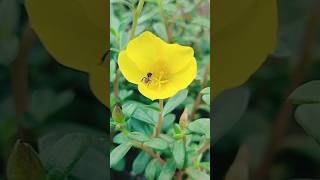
[168, 170]
[168, 121]
[24, 163]
[45, 102]
[129, 107]
[206, 99]
[112, 70]
[196, 174]
[66, 152]
[175, 101]
[152, 169]
[233, 99]
[120, 165]
[201, 126]
[307, 93]
[138, 136]
[118, 153]
[205, 90]
[160, 30]
[178, 152]
[140, 163]
[120, 138]
[145, 114]
[156, 143]
[308, 116]
[92, 165]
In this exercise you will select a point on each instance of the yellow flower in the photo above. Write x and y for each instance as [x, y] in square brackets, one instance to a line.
[74, 32]
[244, 34]
[159, 69]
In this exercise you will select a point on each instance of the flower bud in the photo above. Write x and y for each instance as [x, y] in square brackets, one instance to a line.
[117, 114]
[183, 122]
[24, 163]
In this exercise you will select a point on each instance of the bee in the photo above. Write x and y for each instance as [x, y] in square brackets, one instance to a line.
[147, 79]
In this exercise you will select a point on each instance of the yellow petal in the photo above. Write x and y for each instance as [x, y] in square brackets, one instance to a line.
[227, 12]
[184, 77]
[68, 30]
[242, 46]
[99, 83]
[164, 92]
[145, 50]
[129, 69]
[177, 57]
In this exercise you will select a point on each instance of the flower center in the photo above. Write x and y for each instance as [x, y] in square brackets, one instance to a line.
[160, 79]
[155, 79]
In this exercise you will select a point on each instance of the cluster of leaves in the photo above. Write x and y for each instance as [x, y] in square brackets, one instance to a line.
[307, 97]
[181, 149]
[179, 143]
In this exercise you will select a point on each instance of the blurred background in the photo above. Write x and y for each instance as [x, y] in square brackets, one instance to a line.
[259, 117]
[41, 101]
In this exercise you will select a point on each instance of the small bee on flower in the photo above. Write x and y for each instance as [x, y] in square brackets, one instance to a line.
[147, 80]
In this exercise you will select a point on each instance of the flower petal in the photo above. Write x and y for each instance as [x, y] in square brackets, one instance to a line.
[177, 57]
[185, 76]
[241, 48]
[145, 50]
[98, 80]
[68, 32]
[129, 69]
[154, 93]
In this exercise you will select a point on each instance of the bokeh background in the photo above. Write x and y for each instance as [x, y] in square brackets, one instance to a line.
[259, 112]
[41, 101]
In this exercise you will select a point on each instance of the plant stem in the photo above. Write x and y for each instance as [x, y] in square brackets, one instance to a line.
[152, 154]
[198, 99]
[135, 18]
[160, 121]
[19, 71]
[204, 147]
[165, 21]
[116, 84]
[283, 117]
[136, 15]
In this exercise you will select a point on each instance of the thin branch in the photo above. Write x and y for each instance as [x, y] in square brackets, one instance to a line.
[116, 84]
[198, 99]
[204, 147]
[135, 18]
[165, 20]
[19, 78]
[152, 154]
[283, 117]
[160, 121]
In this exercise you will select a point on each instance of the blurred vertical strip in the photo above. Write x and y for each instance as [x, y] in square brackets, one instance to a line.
[107, 62]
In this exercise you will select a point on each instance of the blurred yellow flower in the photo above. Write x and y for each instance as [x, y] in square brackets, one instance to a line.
[159, 69]
[74, 32]
[244, 33]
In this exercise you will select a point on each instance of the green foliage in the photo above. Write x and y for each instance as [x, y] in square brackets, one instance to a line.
[307, 96]
[140, 163]
[168, 170]
[119, 152]
[178, 152]
[175, 101]
[234, 100]
[175, 148]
